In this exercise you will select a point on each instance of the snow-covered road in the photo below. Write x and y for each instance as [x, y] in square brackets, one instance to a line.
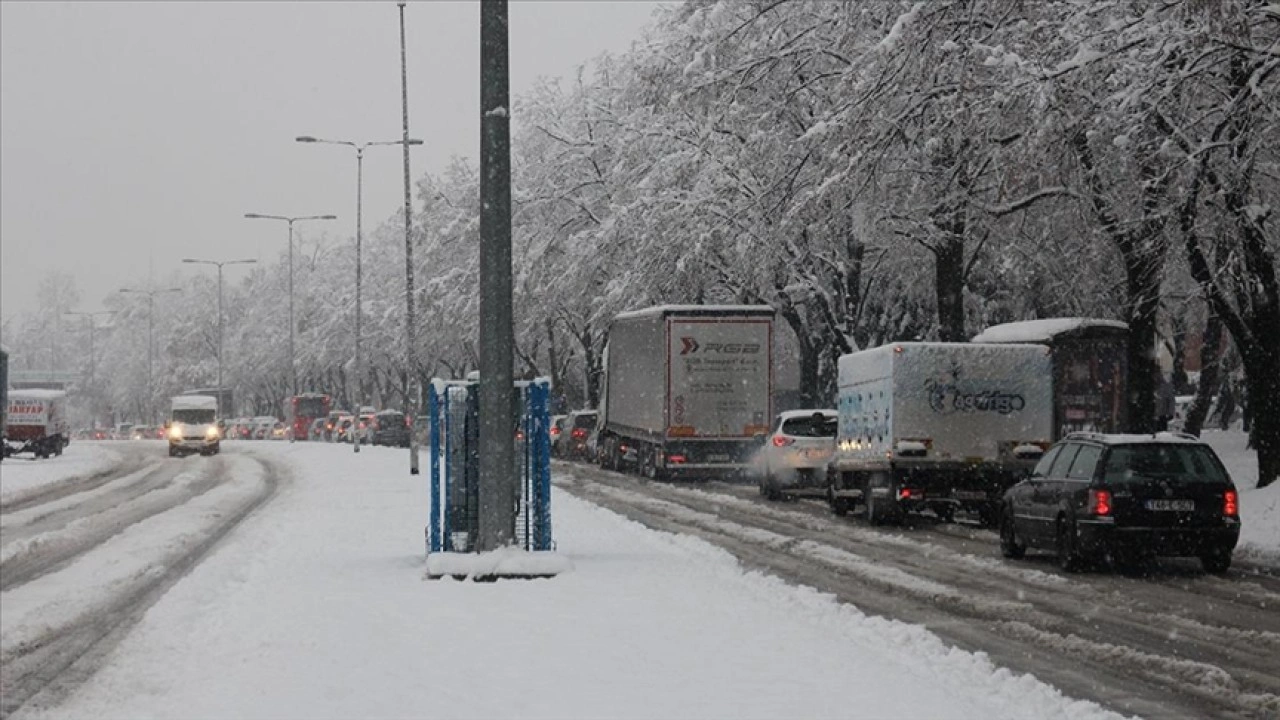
[316, 606]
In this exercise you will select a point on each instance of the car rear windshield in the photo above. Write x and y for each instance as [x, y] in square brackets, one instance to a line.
[1189, 463]
[818, 427]
[586, 420]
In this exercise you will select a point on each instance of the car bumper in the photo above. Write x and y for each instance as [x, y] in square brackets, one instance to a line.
[193, 443]
[1102, 536]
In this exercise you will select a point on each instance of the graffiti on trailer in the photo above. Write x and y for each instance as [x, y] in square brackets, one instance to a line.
[951, 397]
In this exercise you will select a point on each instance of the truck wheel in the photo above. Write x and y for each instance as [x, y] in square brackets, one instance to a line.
[839, 505]
[173, 452]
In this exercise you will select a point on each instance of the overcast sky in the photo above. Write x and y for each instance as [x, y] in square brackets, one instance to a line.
[140, 133]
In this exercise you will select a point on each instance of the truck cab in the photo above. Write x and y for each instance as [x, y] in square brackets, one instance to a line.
[193, 425]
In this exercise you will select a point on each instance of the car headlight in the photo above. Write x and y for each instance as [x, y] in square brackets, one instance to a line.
[212, 433]
[175, 432]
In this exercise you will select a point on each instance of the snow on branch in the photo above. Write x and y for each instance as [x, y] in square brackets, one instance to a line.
[1026, 201]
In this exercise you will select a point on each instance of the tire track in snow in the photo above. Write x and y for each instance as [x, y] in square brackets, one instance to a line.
[127, 464]
[1092, 626]
[52, 540]
[42, 664]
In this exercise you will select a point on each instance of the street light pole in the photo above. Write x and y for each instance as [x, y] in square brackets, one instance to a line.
[358, 368]
[151, 313]
[410, 400]
[293, 364]
[219, 265]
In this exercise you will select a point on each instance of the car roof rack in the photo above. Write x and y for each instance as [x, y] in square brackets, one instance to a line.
[1084, 435]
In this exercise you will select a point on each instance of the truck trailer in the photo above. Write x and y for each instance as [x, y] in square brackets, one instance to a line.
[686, 389]
[940, 426]
[36, 422]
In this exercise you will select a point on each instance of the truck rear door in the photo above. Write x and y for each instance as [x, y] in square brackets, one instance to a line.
[719, 377]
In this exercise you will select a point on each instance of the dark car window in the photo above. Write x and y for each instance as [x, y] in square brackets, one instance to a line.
[1042, 467]
[1190, 463]
[817, 427]
[1063, 461]
[584, 421]
[1086, 462]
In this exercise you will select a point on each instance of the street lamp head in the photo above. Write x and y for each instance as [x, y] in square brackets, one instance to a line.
[189, 260]
[306, 138]
[254, 216]
[328, 217]
[413, 142]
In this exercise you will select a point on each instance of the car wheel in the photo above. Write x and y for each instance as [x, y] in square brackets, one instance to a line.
[1216, 562]
[1068, 553]
[1009, 545]
[989, 516]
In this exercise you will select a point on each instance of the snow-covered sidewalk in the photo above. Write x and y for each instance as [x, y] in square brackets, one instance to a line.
[317, 607]
[1259, 509]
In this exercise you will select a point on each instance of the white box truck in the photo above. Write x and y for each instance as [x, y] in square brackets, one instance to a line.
[193, 425]
[686, 389]
[943, 426]
[36, 422]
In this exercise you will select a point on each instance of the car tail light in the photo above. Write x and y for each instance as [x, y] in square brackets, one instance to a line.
[908, 493]
[578, 434]
[1100, 502]
[1230, 504]
[555, 431]
[623, 449]
[782, 441]
[675, 459]
[519, 435]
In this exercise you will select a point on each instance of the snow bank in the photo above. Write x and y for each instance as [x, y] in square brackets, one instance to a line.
[21, 476]
[1259, 509]
[503, 562]
[317, 607]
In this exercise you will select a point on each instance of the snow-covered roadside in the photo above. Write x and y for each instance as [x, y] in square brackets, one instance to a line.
[1259, 509]
[21, 476]
[317, 607]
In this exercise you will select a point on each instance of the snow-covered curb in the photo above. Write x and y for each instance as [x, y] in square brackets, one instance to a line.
[505, 562]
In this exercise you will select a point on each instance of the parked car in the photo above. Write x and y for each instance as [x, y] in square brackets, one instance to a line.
[582, 427]
[1124, 497]
[364, 425]
[556, 429]
[316, 432]
[262, 427]
[390, 428]
[279, 431]
[142, 432]
[793, 457]
[331, 423]
[342, 430]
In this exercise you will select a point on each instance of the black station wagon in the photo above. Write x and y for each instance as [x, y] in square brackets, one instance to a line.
[1124, 497]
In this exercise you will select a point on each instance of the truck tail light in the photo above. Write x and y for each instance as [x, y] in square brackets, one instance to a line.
[578, 434]
[1230, 504]
[1100, 502]
[908, 493]
[782, 441]
[675, 459]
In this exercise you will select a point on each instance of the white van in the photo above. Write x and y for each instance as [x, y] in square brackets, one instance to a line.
[193, 425]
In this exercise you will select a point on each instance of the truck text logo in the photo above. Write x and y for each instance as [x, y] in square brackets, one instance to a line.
[691, 346]
[948, 397]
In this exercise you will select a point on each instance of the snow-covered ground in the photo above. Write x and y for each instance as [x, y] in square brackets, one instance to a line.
[317, 607]
[22, 475]
[1259, 509]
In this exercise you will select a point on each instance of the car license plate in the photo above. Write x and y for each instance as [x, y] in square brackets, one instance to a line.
[718, 458]
[1173, 505]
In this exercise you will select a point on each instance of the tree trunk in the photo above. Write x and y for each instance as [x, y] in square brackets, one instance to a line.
[1144, 300]
[809, 389]
[1262, 376]
[1210, 365]
[949, 276]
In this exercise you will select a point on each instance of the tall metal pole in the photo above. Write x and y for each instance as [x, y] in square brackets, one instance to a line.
[151, 313]
[497, 480]
[359, 369]
[293, 362]
[410, 329]
[220, 395]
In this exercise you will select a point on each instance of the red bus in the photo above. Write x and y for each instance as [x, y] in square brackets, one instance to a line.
[301, 410]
